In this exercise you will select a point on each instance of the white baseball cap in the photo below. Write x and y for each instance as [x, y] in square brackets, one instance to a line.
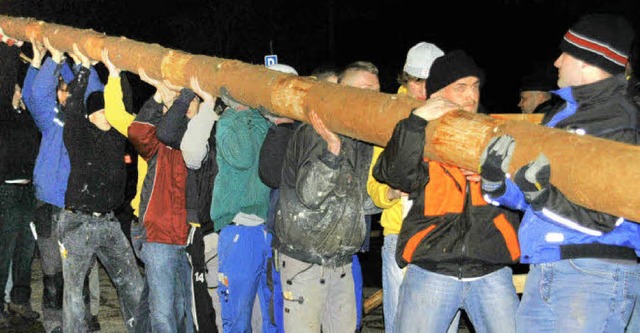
[419, 59]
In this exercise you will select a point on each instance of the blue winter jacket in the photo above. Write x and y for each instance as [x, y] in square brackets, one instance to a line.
[51, 171]
[559, 229]
[52, 168]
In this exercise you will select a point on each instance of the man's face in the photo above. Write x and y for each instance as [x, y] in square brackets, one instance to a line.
[529, 100]
[62, 93]
[569, 70]
[416, 88]
[464, 92]
[362, 80]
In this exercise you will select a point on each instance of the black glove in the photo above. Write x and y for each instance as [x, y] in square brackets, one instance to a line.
[533, 180]
[494, 164]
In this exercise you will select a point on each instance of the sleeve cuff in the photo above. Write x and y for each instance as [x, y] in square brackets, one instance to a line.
[415, 123]
[331, 160]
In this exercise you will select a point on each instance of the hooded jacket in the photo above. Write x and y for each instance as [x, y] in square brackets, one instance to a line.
[97, 178]
[52, 167]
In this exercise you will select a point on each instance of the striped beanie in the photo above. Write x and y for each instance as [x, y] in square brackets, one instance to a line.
[602, 40]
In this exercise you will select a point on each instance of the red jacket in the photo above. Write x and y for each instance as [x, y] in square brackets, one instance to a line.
[163, 198]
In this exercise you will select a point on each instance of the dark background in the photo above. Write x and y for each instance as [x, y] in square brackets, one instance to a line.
[504, 36]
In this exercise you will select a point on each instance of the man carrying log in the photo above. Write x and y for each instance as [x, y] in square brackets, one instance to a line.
[584, 275]
[456, 247]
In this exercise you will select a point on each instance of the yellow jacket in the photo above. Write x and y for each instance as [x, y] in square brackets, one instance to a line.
[391, 218]
[120, 119]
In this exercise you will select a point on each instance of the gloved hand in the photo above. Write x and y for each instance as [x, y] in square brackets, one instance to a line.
[494, 164]
[533, 179]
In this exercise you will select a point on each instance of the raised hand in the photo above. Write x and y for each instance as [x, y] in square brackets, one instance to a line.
[168, 93]
[113, 70]
[163, 93]
[172, 86]
[145, 78]
[434, 108]
[195, 86]
[39, 52]
[86, 62]
[56, 55]
[333, 141]
[10, 41]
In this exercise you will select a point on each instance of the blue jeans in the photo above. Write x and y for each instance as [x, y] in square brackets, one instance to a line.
[429, 301]
[391, 279]
[634, 321]
[168, 276]
[578, 295]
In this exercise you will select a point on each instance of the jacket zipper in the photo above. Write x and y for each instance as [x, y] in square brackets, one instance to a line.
[463, 250]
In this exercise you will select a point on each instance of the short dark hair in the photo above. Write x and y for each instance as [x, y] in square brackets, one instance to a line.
[324, 71]
[404, 77]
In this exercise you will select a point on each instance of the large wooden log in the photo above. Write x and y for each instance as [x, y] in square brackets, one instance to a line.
[596, 173]
[352, 109]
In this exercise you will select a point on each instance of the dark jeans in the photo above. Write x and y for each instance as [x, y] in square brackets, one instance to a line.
[47, 229]
[17, 245]
[82, 237]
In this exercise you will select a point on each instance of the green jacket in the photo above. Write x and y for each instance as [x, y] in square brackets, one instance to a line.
[238, 188]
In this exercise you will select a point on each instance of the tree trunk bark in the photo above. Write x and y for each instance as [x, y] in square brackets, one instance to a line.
[598, 174]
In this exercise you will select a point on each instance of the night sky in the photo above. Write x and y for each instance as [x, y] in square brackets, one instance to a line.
[504, 36]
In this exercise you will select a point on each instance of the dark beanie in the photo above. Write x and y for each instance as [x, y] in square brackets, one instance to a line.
[542, 77]
[602, 40]
[95, 102]
[450, 68]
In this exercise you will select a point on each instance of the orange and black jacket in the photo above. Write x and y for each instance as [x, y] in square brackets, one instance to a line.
[450, 229]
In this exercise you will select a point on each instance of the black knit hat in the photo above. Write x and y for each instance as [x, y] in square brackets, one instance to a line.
[542, 77]
[450, 68]
[602, 40]
[95, 102]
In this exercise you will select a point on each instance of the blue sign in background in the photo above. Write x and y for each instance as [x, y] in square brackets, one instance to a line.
[270, 60]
